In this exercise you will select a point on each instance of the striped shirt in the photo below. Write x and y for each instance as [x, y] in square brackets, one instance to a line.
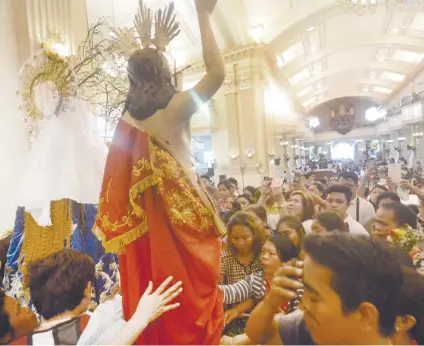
[254, 287]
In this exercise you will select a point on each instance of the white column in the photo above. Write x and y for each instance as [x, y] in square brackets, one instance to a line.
[13, 140]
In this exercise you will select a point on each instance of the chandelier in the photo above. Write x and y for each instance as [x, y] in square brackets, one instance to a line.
[361, 7]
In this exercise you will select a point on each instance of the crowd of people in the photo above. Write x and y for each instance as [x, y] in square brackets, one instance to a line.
[319, 262]
[269, 229]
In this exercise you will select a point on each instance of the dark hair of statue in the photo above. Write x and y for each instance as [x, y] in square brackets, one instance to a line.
[151, 87]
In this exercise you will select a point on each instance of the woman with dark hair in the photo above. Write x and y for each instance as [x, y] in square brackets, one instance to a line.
[240, 257]
[376, 192]
[291, 226]
[242, 202]
[328, 221]
[301, 205]
[258, 212]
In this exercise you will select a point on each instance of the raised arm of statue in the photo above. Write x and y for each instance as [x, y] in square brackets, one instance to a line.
[186, 103]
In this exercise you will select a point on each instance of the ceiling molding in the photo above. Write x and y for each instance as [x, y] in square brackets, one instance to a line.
[393, 66]
[347, 44]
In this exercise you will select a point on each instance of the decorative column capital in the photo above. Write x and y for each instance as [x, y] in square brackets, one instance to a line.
[229, 85]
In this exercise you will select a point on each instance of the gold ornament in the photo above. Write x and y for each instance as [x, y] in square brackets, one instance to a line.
[126, 41]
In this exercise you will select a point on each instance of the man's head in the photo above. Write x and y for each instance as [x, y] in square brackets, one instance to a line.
[338, 198]
[387, 198]
[15, 319]
[351, 284]
[234, 185]
[151, 87]
[391, 216]
[61, 282]
[350, 180]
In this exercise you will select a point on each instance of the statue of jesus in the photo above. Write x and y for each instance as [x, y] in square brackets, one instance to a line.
[153, 210]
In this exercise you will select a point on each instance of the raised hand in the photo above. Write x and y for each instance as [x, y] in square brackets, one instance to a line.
[205, 6]
[152, 305]
[284, 285]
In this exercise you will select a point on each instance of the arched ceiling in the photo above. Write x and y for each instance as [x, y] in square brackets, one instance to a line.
[324, 52]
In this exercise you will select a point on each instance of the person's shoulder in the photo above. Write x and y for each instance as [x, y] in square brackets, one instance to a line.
[289, 328]
[307, 226]
[366, 203]
[355, 227]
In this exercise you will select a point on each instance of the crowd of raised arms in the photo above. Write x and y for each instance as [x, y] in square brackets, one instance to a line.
[310, 262]
[322, 260]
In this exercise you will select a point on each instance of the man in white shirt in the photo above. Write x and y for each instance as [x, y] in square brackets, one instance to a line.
[359, 209]
[338, 200]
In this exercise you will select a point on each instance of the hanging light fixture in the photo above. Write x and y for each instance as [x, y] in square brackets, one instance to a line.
[360, 7]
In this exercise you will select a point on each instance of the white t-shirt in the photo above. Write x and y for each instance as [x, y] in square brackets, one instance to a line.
[366, 210]
[354, 227]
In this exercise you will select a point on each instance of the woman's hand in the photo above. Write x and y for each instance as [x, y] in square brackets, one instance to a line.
[231, 315]
[205, 6]
[152, 305]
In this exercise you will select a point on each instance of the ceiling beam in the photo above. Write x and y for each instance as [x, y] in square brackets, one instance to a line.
[393, 66]
[351, 43]
[336, 84]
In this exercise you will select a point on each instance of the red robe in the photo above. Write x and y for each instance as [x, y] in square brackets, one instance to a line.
[151, 214]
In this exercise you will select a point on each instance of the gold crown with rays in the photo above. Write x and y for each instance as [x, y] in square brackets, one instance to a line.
[126, 41]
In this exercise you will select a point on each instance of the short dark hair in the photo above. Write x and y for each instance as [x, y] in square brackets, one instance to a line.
[286, 250]
[381, 187]
[321, 188]
[364, 270]
[233, 181]
[57, 283]
[388, 195]
[251, 189]
[403, 214]
[332, 221]
[242, 218]
[226, 183]
[337, 188]
[6, 331]
[349, 176]
[411, 302]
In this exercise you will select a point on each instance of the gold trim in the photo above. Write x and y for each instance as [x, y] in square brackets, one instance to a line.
[138, 188]
[117, 245]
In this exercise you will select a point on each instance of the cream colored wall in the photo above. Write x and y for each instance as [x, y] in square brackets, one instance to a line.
[13, 146]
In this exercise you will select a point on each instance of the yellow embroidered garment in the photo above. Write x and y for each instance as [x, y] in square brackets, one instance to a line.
[40, 242]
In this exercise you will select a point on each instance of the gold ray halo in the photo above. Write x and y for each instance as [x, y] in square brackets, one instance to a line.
[43, 67]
